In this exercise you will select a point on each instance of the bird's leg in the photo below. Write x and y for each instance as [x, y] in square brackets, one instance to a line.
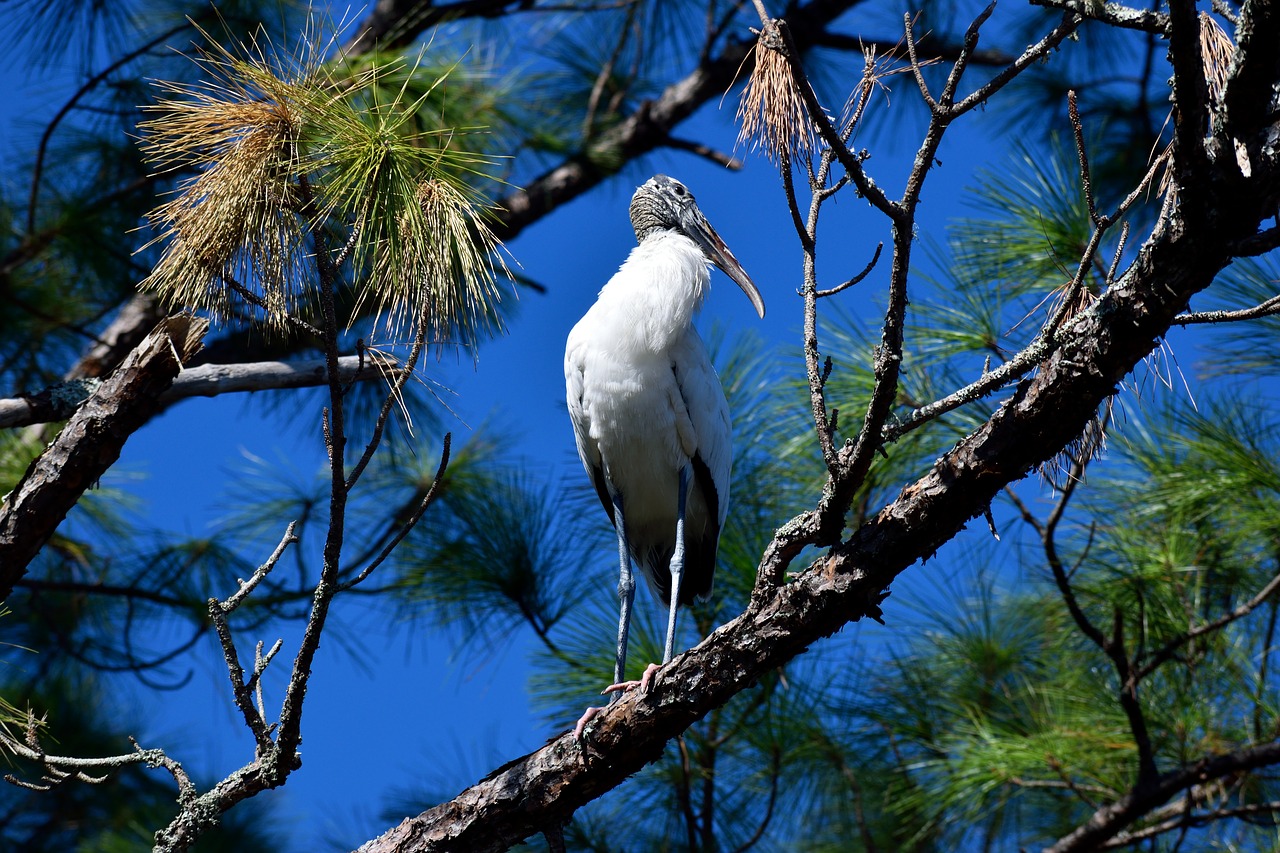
[677, 565]
[626, 593]
[626, 597]
[677, 574]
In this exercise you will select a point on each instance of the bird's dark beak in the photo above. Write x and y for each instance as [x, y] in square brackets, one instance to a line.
[718, 253]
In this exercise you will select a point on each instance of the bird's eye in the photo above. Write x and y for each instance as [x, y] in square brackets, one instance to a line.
[679, 190]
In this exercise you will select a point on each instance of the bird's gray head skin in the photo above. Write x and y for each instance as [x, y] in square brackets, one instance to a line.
[665, 204]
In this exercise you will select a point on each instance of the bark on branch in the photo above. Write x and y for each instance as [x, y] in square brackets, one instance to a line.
[1109, 820]
[91, 442]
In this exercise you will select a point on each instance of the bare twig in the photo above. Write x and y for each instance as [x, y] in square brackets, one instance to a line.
[706, 152]
[411, 521]
[908, 29]
[1115, 260]
[606, 73]
[394, 394]
[1167, 651]
[37, 170]
[258, 302]
[1269, 308]
[961, 63]
[203, 380]
[1069, 24]
[1065, 785]
[242, 690]
[246, 587]
[775, 774]
[1077, 130]
[58, 769]
[866, 271]
[817, 379]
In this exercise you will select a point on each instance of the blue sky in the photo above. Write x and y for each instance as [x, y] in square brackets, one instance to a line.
[403, 706]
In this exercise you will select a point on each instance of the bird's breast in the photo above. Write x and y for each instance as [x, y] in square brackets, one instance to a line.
[650, 302]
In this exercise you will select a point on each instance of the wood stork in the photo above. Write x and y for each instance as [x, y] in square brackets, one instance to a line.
[649, 416]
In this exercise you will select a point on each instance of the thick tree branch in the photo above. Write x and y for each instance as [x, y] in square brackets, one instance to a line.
[1188, 819]
[1115, 14]
[90, 443]
[140, 313]
[395, 24]
[1109, 820]
[650, 126]
[928, 44]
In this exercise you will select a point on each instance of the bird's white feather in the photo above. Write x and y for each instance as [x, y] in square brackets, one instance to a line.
[644, 399]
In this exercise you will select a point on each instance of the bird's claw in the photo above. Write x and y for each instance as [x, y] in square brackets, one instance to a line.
[581, 726]
[616, 690]
[645, 682]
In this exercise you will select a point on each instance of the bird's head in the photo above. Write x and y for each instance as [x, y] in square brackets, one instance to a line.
[665, 204]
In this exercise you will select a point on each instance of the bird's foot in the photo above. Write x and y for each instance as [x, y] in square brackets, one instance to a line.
[615, 691]
[581, 725]
[644, 683]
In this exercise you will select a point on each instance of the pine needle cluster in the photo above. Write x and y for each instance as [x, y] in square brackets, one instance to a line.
[299, 161]
[1218, 50]
[772, 111]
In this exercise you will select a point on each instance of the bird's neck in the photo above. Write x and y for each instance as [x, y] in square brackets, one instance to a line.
[663, 285]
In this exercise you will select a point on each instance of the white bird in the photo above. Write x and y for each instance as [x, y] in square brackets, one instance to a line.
[649, 415]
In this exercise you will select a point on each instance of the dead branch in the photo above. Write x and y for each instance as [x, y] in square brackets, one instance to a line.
[91, 442]
[204, 380]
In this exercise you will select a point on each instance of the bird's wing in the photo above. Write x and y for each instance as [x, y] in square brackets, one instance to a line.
[588, 450]
[706, 412]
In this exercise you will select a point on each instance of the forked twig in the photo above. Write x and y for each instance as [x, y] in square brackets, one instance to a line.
[413, 519]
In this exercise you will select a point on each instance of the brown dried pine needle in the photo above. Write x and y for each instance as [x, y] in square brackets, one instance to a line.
[235, 233]
[772, 113]
[1217, 50]
[230, 233]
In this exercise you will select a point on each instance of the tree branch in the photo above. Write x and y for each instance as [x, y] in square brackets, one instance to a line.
[1115, 14]
[650, 126]
[91, 442]
[1267, 308]
[1109, 820]
[205, 380]
[1168, 650]
[928, 44]
[1191, 820]
[61, 768]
